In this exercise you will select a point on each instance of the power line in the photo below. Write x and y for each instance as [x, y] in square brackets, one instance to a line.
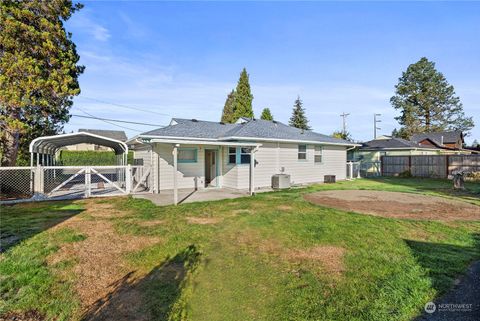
[118, 121]
[124, 106]
[108, 122]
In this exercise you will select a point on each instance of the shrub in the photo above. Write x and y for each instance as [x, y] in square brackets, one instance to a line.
[90, 158]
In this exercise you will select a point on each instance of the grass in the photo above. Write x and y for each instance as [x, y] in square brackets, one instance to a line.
[242, 267]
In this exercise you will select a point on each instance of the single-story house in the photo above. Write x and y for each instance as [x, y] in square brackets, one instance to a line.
[112, 134]
[245, 155]
[373, 150]
[444, 139]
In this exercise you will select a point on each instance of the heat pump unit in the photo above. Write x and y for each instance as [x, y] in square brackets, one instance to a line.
[280, 181]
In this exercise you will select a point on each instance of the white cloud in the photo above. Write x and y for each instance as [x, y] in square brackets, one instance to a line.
[84, 24]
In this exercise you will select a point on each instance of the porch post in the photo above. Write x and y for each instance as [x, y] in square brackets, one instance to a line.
[252, 171]
[175, 183]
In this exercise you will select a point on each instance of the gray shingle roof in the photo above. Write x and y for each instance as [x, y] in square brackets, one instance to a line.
[390, 143]
[448, 137]
[250, 129]
[113, 134]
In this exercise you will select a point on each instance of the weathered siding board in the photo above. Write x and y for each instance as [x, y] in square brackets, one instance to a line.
[436, 166]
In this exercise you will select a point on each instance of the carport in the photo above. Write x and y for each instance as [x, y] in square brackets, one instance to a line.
[43, 149]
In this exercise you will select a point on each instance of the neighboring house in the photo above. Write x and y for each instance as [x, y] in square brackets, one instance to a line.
[452, 139]
[213, 154]
[373, 150]
[113, 134]
[421, 144]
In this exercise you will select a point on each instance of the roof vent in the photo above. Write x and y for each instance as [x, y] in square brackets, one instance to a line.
[441, 140]
[274, 121]
[194, 120]
[222, 123]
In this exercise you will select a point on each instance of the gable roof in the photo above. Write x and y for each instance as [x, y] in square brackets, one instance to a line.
[248, 129]
[449, 137]
[113, 134]
[391, 143]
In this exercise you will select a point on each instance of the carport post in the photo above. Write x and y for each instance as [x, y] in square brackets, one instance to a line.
[175, 165]
[252, 171]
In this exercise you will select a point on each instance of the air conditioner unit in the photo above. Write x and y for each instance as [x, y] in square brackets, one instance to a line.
[280, 181]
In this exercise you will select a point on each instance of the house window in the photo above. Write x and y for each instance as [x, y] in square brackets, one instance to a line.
[318, 154]
[238, 155]
[302, 152]
[244, 155]
[187, 155]
[232, 155]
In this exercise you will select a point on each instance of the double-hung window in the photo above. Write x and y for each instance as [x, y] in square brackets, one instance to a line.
[318, 154]
[244, 155]
[238, 155]
[302, 152]
[232, 155]
[187, 155]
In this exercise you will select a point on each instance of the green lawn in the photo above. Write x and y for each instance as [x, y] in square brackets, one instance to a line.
[252, 262]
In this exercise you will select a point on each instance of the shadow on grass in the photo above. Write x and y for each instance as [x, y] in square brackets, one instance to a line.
[22, 221]
[444, 262]
[154, 296]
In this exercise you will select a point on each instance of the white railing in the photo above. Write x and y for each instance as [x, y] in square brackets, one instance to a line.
[353, 170]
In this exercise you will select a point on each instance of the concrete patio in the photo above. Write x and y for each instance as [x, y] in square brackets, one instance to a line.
[191, 195]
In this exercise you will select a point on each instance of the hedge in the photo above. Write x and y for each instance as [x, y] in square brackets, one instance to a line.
[89, 158]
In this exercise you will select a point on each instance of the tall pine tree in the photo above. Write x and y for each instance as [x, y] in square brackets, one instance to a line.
[427, 102]
[298, 119]
[243, 98]
[228, 109]
[38, 72]
[266, 114]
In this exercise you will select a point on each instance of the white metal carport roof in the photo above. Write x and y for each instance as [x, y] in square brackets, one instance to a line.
[50, 144]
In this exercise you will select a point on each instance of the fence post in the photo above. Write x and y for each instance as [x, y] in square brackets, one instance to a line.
[447, 163]
[381, 165]
[410, 164]
[88, 185]
[128, 179]
[39, 180]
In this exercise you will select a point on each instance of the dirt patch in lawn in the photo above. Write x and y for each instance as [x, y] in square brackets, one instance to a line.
[31, 315]
[150, 223]
[284, 207]
[330, 257]
[397, 205]
[204, 220]
[100, 257]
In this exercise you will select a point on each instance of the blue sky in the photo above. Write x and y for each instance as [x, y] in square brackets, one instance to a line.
[180, 59]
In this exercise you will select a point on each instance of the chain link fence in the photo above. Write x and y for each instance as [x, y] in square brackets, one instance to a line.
[67, 182]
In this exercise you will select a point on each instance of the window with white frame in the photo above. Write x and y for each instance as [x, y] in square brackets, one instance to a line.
[302, 152]
[244, 155]
[187, 155]
[318, 154]
[232, 155]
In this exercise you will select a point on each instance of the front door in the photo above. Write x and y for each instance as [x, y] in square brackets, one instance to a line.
[210, 167]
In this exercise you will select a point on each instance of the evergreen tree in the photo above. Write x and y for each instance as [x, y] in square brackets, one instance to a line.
[38, 72]
[427, 102]
[342, 135]
[243, 98]
[266, 114]
[228, 109]
[298, 119]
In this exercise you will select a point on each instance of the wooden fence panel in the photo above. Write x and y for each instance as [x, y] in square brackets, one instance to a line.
[429, 166]
[435, 166]
[394, 165]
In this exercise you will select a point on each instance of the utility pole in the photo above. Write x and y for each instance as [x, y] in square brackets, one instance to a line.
[375, 128]
[344, 116]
